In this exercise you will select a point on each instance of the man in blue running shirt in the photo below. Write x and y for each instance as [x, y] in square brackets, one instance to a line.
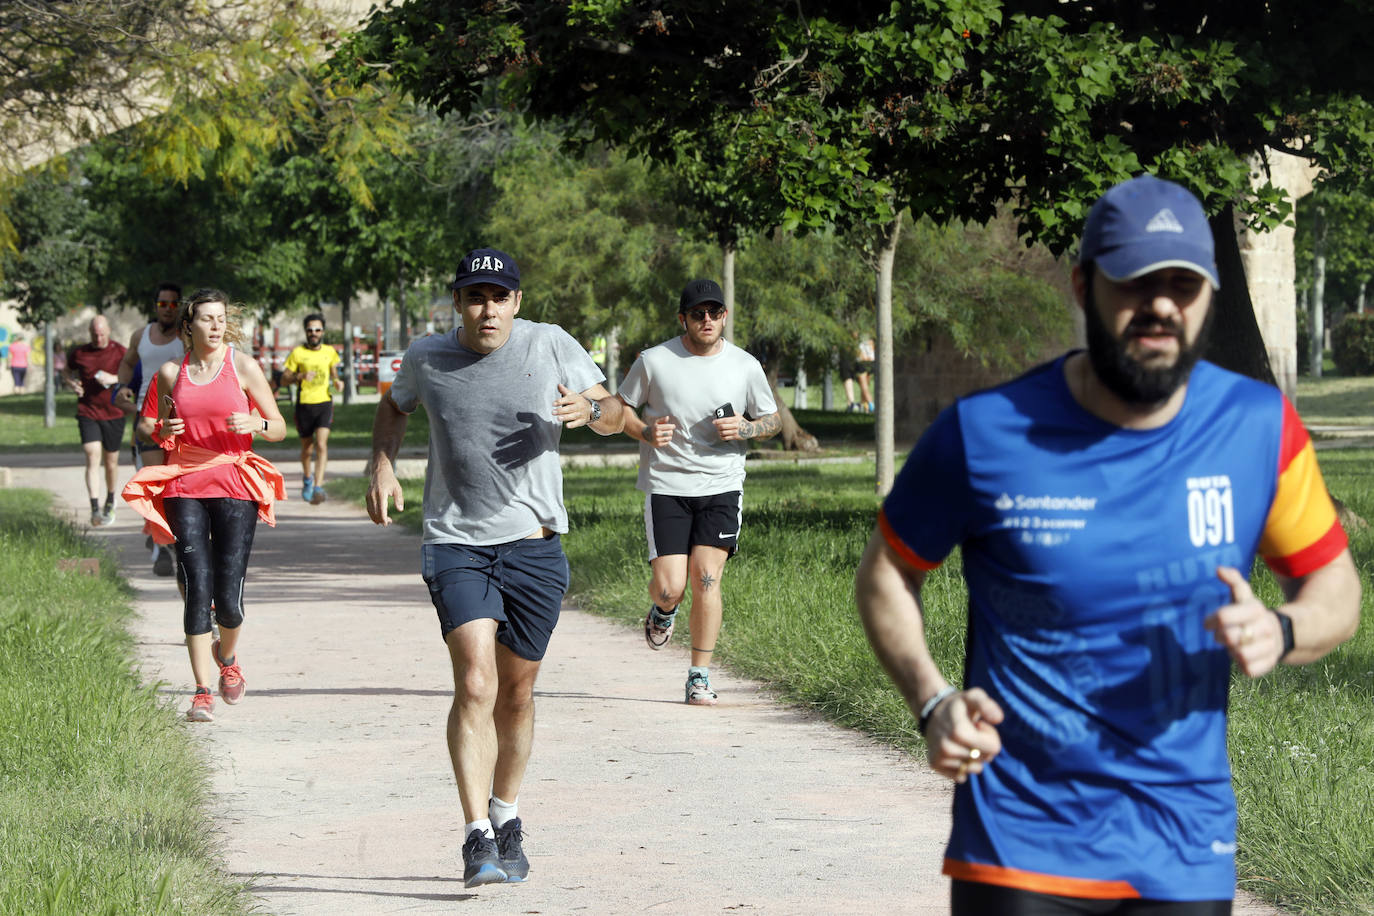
[1108, 506]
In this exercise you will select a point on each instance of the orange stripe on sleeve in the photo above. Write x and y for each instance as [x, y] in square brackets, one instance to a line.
[897, 544]
[1040, 883]
[1298, 534]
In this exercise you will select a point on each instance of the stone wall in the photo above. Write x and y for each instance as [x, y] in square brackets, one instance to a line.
[930, 373]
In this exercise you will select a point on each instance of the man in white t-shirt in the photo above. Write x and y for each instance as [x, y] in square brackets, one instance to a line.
[702, 398]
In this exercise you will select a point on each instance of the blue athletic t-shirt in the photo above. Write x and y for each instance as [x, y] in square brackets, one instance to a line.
[1090, 553]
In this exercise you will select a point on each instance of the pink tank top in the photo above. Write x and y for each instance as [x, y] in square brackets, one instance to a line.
[206, 408]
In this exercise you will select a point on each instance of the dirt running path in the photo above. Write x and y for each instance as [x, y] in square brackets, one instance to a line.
[333, 793]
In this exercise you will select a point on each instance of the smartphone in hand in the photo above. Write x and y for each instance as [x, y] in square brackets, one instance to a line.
[169, 408]
[725, 410]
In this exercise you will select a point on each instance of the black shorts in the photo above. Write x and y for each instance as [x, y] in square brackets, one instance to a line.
[974, 898]
[310, 417]
[519, 584]
[109, 433]
[676, 524]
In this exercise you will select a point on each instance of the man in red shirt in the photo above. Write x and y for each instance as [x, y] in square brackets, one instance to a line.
[92, 369]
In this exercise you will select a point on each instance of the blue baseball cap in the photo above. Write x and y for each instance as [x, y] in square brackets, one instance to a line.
[1146, 224]
[487, 265]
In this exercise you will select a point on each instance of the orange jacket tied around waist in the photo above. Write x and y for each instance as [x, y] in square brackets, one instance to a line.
[144, 492]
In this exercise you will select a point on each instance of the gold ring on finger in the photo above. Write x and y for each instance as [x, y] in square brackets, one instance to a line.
[974, 754]
[963, 768]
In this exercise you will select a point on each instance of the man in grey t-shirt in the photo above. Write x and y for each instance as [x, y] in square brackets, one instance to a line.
[493, 513]
[702, 398]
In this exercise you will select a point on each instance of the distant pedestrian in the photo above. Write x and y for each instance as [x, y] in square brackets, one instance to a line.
[314, 368]
[213, 489]
[1108, 506]
[858, 366]
[19, 362]
[92, 370]
[703, 398]
[498, 391]
[150, 346]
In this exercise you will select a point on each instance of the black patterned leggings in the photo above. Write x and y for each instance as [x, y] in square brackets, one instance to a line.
[214, 539]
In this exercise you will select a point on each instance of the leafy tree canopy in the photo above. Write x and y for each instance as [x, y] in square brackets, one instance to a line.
[953, 106]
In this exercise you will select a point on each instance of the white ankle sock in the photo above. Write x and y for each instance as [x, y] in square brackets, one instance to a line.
[483, 825]
[502, 811]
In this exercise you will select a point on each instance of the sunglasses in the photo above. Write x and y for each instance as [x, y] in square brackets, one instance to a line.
[170, 303]
[700, 314]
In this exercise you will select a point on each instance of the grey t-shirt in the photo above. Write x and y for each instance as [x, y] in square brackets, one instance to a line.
[668, 380]
[494, 474]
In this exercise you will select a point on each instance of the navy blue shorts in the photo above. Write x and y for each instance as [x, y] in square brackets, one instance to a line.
[520, 585]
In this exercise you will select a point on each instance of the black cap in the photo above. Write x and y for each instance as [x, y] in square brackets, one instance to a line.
[698, 291]
[487, 265]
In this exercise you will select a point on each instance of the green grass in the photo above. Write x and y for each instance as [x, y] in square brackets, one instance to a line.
[1301, 739]
[102, 794]
[1336, 401]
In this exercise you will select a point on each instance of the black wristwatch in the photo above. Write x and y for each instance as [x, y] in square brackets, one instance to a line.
[1285, 627]
[596, 410]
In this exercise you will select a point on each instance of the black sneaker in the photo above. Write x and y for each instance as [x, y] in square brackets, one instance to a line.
[481, 861]
[513, 860]
[162, 566]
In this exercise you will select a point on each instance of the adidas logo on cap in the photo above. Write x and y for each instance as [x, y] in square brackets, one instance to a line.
[1164, 221]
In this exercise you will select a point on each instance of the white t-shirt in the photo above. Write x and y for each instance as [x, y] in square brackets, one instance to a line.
[669, 380]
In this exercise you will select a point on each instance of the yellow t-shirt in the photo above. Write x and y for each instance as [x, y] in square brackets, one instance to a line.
[302, 360]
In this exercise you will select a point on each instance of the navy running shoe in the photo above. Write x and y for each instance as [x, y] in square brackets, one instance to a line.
[508, 838]
[481, 861]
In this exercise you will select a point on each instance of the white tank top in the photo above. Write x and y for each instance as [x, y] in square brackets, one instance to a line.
[152, 356]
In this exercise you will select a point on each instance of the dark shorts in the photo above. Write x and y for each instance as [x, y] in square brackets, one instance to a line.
[972, 898]
[676, 524]
[520, 585]
[310, 417]
[109, 433]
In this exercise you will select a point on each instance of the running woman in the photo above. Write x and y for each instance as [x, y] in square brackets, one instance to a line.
[212, 490]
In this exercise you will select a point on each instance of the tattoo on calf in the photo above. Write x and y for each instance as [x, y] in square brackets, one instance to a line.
[664, 598]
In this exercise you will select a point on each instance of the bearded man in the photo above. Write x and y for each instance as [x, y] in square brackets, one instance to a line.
[1108, 506]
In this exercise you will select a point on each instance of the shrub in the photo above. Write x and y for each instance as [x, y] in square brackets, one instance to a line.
[1352, 345]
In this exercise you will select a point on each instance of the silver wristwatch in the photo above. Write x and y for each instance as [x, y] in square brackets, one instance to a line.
[596, 410]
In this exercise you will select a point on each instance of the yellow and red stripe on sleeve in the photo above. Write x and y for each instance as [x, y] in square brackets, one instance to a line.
[897, 544]
[1302, 532]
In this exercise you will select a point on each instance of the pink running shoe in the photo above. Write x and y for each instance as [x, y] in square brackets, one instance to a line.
[202, 708]
[231, 685]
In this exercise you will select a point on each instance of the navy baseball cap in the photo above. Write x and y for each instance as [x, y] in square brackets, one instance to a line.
[698, 291]
[487, 265]
[1146, 224]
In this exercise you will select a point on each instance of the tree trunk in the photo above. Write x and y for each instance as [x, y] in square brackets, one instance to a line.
[1359, 300]
[794, 438]
[1317, 317]
[613, 360]
[350, 389]
[727, 286]
[1236, 342]
[49, 378]
[828, 387]
[882, 369]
